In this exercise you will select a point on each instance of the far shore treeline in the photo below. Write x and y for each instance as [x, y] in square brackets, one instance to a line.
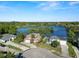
[10, 27]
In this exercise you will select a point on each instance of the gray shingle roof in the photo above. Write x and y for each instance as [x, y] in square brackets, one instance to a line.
[7, 37]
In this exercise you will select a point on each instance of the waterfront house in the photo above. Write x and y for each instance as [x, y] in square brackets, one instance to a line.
[32, 38]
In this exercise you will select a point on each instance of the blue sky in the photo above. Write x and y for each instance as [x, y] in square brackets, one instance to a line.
[39, 11]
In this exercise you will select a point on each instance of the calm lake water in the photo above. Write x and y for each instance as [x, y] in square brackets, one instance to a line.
[59, 31]
[22, 30]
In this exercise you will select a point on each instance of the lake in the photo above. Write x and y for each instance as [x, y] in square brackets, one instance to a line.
[59, 31]
[22, 30]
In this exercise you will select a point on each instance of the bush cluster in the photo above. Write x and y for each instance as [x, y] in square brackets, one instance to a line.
[55, 43]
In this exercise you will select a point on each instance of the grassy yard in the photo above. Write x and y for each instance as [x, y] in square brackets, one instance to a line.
[25, 45]
[71, 50]
[1, 54]
[6, 55]
[13, 47]
[10, 46]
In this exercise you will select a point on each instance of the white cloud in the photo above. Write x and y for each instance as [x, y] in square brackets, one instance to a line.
[54, 5]
[74, 2]
[48, 5]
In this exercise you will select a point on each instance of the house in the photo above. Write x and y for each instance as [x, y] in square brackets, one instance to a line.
[33, 37]
[8, 37]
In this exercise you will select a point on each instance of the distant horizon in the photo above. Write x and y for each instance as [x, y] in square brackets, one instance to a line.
[39, 21]
[36, 21]
[39, 11]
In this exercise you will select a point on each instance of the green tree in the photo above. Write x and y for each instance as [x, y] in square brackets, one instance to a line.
[44, 40]
[19, 38]
[55, 43]
[71, 35]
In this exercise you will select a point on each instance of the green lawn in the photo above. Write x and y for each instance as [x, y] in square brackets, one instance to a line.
[13, 47]
[71, 50]
[10, 46]
[25, 45]
[2, 44]
[7, 55]
[1, 54]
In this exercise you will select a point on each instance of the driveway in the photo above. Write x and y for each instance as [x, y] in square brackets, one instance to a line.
[64, 48]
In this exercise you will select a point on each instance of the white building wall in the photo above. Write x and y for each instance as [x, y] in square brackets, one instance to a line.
[27, 41]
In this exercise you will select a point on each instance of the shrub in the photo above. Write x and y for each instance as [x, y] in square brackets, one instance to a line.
[2, 44]
[7, 55]
[0, 36]
[55, 43]
[1, 54]
[44, 40]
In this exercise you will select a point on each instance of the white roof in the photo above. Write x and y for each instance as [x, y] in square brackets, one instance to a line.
[7, 37]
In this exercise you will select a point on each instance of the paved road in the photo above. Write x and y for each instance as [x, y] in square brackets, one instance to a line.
[64, 48]
[38, 53]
